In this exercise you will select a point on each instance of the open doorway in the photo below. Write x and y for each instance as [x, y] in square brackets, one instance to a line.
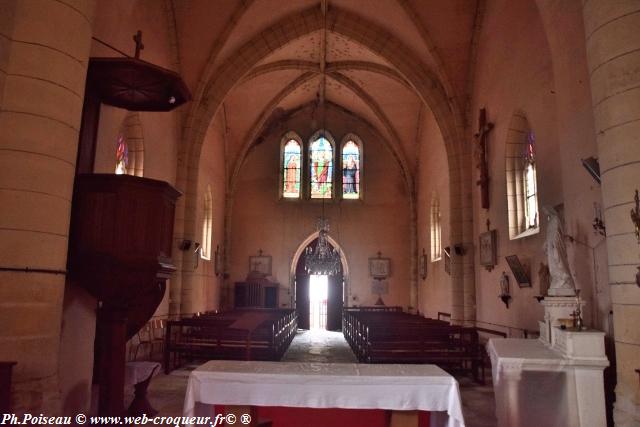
[318, 299]
[318, 292]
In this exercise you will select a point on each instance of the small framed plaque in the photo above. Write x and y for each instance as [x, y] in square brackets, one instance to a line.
[487, 244]
[379, 268]
[260, 264]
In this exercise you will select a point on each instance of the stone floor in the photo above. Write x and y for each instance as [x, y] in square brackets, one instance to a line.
[166, 392]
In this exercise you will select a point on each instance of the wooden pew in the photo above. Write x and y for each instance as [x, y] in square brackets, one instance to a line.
[213, 336]
[397, 337]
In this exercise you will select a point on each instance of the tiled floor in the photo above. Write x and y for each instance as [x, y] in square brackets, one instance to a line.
[166, 392]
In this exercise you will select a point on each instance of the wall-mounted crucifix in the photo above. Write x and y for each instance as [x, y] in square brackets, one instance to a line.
[484, 127]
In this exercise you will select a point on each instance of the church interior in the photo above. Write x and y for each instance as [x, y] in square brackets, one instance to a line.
[447, 184]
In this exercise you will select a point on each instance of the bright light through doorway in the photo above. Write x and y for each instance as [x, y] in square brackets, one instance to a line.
[318, 290]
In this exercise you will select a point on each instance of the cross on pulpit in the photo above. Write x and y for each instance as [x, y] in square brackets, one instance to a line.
[484, 128]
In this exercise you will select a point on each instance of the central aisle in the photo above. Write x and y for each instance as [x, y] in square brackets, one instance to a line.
[319, 346]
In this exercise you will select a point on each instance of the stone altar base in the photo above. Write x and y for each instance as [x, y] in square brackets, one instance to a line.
[554, 381]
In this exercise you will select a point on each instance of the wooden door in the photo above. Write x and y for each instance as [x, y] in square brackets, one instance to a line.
[334, 302]
[302, 294]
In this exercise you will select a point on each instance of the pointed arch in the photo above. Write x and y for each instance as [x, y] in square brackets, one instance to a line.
[218, 80]
[132, 145]
[306, 242]
[520, 171]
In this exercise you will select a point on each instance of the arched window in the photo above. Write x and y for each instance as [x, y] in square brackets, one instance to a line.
[520, 167]
[207, 225]
[132, 130]
[436, 230]
[291, 166]
[122, 156]
[321, 166]
[351, 168]
[130, 146]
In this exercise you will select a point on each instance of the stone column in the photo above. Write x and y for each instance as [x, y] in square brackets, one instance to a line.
[612, 31]
[44, 48]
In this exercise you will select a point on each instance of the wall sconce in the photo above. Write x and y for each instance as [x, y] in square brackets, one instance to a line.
[504, 289]
[635, 216]
[598, 223]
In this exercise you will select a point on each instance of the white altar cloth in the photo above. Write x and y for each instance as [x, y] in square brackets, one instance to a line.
[327, 385]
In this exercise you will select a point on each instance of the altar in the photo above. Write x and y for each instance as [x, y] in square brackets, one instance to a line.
[556, 385]
[326, 385]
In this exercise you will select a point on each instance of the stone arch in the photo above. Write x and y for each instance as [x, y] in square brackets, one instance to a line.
[298, 253]
[215, 85]
[515, 145]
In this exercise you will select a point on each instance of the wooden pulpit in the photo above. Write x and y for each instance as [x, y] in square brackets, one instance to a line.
[120, 251]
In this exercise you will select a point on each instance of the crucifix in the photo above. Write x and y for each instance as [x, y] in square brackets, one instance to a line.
[139, 46]
[484, 128]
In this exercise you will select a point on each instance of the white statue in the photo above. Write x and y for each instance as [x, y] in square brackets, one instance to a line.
[561, 280]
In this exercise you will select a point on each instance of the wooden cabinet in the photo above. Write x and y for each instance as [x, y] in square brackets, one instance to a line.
[256, 292]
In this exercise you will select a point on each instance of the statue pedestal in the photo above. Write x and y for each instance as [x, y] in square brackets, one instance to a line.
[556, 308]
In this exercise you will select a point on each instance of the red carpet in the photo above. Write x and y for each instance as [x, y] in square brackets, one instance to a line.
[309, 417]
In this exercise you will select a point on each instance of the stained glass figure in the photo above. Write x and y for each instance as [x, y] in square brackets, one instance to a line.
[350, 170]
[291, 169]
[321, 163]
[122, 156]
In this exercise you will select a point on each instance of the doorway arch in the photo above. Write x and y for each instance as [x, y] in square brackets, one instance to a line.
[299, 283]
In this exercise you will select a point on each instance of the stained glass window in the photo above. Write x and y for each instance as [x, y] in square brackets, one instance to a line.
[321, 164]
[291, 164]
[529, 176]
[122, 156]
[207, 224]
[350, 170]
[436, 230]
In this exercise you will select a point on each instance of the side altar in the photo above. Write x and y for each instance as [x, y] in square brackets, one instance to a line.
[558, 379]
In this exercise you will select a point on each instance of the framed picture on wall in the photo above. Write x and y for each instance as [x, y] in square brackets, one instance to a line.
[518, 271]
[447, 260]
[487, 245]
[260, 264]
[423, 265]
[379, 268]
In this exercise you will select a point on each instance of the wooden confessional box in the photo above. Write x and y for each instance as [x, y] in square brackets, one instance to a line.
[256, 291]
[120, 251]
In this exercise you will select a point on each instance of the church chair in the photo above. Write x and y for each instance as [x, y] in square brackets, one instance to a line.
[145, 339]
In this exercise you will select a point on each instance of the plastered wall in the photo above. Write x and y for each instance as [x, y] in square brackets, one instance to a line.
[515, 72]
[434, 292]
[379, 222]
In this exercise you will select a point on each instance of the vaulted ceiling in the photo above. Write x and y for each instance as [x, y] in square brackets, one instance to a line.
[327, 63]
